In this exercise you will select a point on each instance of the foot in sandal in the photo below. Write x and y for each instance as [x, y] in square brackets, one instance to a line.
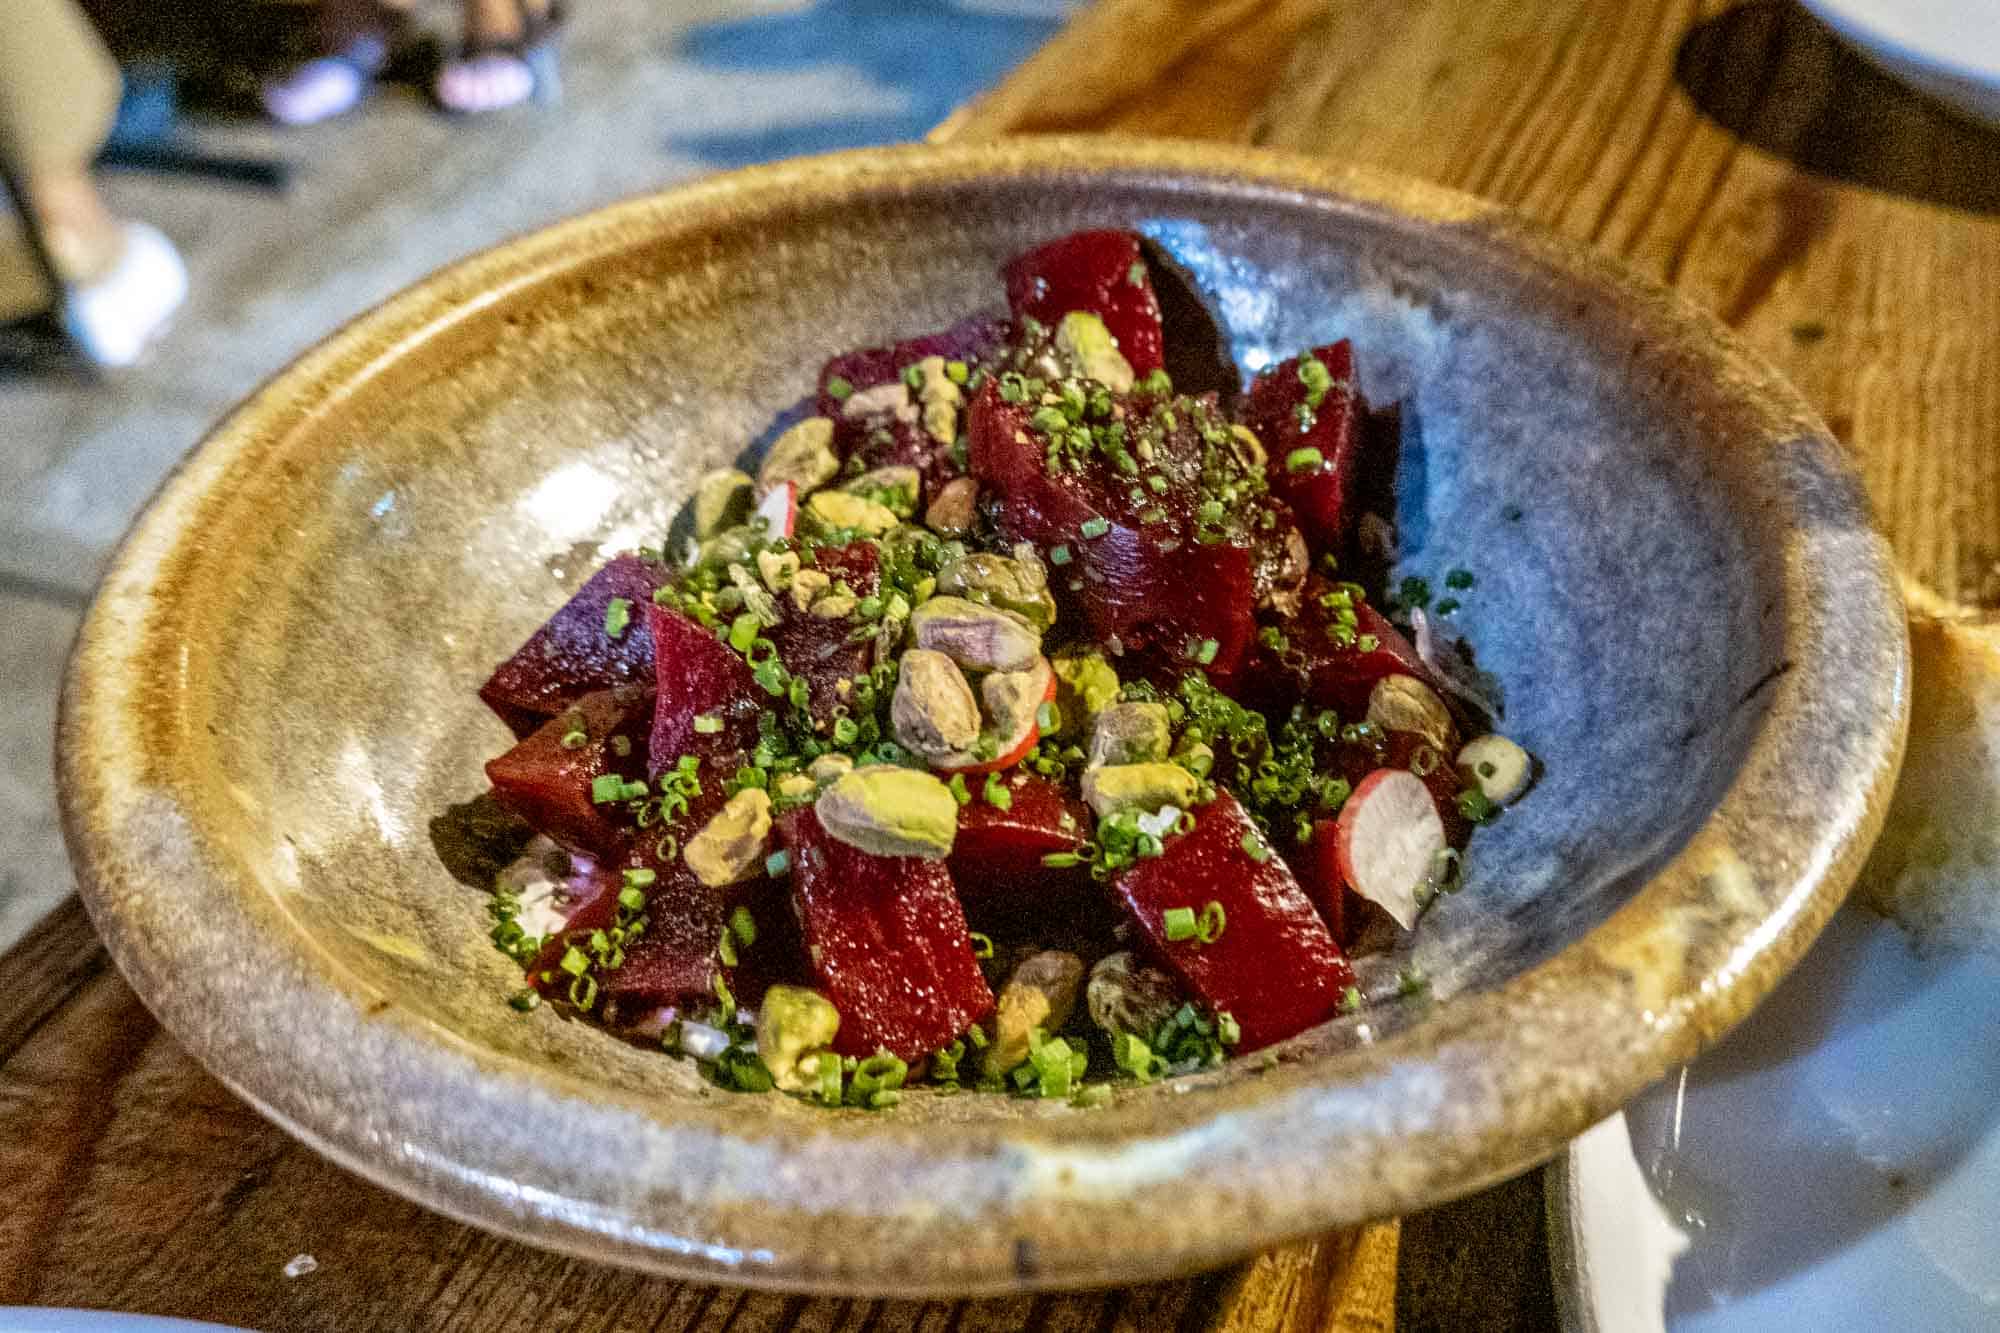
[355, 43]
[113, 316]
[508, 58]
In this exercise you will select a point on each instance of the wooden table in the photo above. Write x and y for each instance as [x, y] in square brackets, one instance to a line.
[1735, 151]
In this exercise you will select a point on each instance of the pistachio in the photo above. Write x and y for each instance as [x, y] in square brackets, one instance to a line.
[1116, 787]
[1126, 995]
[837, 510]
[803, 456]
[1086, 684]
[1041, 993]
[1404, 703]
[941, 399]
[954, 508]
[933, 711]
[978, 638]
[1497, 766]
[890, 811]
[1288, 580]
[1130, 733]
[896, 487]
[1249, 450]
[808, 585]
[721, 500]
[1020, 586]
[777, 569]
[791, 1022]
[796, 787]
[888, 399]
[1086, 345]
[828, 767]
[1012, 698]
[730, 847]
[836, 606]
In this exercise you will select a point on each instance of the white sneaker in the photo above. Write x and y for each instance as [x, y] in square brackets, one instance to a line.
[114, 317]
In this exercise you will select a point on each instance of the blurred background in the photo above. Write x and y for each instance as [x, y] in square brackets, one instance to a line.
[287, 231]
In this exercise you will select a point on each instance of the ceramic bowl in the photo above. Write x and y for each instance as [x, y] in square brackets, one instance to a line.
[271, 711]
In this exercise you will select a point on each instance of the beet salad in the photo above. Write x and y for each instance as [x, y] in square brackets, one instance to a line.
[1018, 726]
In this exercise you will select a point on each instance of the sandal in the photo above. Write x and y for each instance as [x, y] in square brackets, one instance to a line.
[493, 75]
[335, 83]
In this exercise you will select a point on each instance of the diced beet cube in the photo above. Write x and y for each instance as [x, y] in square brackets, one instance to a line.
[888, 943]
[675, 960]
[1275, 968]
[779, 955]
[574, 653]
[996, 861]
[1103, 272]
[817, 649]
[1146, 579]
[1319, 492]
[1317, 866]
[885, 439]
[548, 783]
[698, 676]
[1321, 667]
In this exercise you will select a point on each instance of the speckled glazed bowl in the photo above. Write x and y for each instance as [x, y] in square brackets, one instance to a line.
[271, 706]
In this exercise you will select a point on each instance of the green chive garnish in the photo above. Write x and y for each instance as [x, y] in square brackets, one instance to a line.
[1059, 555]
[1094, 527]
[606, 788]
[1180, 923]
[617, 615]
[1299, 460]
[778, 863]
[838, 389]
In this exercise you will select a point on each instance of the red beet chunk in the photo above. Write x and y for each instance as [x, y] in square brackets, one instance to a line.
[883, 440]
[548, 783]
[596, 908]
[888, 943]
[572, 654]
[779, 955]
[1318, 868]
[997, 859]
[1102, 272]
[698, 676]
[1319, 493]
[1323, 671]
[817, 649]
[1146, 583]
[675, 961]
[1275, 968]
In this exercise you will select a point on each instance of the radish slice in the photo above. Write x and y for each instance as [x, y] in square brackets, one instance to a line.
[1388, 837]
[779, 510]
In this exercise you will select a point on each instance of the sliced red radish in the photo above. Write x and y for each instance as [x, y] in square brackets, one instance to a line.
[778, 510]
[1388, 839]
[1010, 750]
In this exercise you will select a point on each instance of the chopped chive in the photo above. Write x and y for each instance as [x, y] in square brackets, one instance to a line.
[1048, 717]
[622, 746]
[1299, 460]
[743, 632]
[1204, 652]
[744, 925]
[574, 740]
[982, 947]
[640, 877]
[838, 389]
[725, 948]
[956, 371]
[707, 724]
[1059, 555]
[1180, 923]
[959, 791]
[845, 731]
[631, 898]
[1227, 1030]
[1061, 860]
[1350, 1000]
[1458, 579]
[526, 1001]
[606, 788]
[977, 1035]
[1367, 643]
[1476, 806]
[1095, 526]
[1213, 921]
[777, 863]
[997, 794]
[617, 615]
[575, 961]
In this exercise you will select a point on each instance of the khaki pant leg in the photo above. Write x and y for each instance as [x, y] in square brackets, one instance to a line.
[59, 88]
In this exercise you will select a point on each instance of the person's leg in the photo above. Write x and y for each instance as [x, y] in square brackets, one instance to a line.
[504, 44]
[351, 44]
[116, 281]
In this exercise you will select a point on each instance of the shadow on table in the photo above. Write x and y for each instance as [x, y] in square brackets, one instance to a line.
[1774, 75]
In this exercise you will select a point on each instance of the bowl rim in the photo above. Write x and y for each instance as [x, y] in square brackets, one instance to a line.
[1482, 1095]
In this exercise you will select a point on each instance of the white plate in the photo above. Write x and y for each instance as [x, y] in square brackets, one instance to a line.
[1948, 48]
[1835, 1162]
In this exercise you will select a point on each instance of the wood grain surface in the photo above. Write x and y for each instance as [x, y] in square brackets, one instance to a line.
[1734, 150]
